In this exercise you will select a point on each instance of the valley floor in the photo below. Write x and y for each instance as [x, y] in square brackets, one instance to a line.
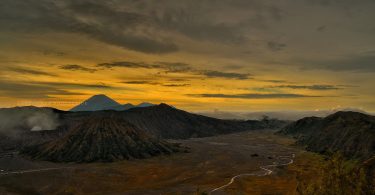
[212, 162]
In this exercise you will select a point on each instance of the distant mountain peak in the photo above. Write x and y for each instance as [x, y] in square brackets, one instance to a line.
[346, 114]
[96, 102]
[165, 105]
[100, 95]
[145, 104]
[103, 102]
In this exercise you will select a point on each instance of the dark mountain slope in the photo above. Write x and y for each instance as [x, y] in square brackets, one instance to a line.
[160, 121]
[168, 122]
[99, 138]
[121, 107]
[350, 132]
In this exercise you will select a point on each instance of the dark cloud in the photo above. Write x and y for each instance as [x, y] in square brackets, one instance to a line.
[141, 82]
[26, 90]
[154, 83]
[75, 67]
[233, 67]
[226, 75]
[102, 21]
[188, 24]
[29, 71]
[339, 3]
[178, 79]
[311, 87]
[321, 28]
[176, 67]
[348, 86]
[53, 53]
[275, 46]
[74, 85]
[264, 89]
[176, 85]
[144, 26]
[215, 20]
[127, 64]
[358, 63]
[252, 96]
[274, 81]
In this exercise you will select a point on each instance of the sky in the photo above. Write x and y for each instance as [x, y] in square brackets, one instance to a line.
[232, 55]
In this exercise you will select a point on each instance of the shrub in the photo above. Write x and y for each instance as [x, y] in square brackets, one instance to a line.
[337, 177]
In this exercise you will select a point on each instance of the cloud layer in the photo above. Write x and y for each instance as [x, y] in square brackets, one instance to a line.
[175, 68]
[253, 96]
[250, 50]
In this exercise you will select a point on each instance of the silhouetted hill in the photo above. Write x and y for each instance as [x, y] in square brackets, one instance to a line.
[144, 104]
[352, 133]
[121, 107]
[162, 121]
[168, 122]
[101, 138]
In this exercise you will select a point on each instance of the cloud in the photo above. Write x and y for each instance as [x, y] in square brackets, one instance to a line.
[339, 3]
[144, 26]
[52, 53]
[154, 83]
[103, 21]
[75, 67]
[175, 85]
[311, 87]
[223, 21]
[252, 96]
[178, 79]
[127, 64]
[264, 89]
[74, 85]
[275, 46]
[29, 71]
[273, 81]
[355, 63]
[26, 90]
[229, 75]
[321, 28]
[141, 82]
[175, 67]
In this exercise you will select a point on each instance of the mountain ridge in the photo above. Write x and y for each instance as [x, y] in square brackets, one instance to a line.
[103, 102]
[351, 133]
[101, 138]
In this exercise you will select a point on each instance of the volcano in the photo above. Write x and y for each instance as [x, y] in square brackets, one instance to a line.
[101, 138]
[96, 102]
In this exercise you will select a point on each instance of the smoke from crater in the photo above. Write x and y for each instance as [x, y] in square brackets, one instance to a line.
[17, 120]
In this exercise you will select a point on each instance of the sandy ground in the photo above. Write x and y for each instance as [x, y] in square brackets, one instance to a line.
[212, 162]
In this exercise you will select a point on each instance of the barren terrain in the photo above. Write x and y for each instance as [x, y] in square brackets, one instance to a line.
[211, 163]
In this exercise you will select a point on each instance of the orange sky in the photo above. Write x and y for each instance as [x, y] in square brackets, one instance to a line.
[235, 56]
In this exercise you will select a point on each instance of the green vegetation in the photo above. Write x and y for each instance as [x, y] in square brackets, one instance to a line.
[337, 177]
